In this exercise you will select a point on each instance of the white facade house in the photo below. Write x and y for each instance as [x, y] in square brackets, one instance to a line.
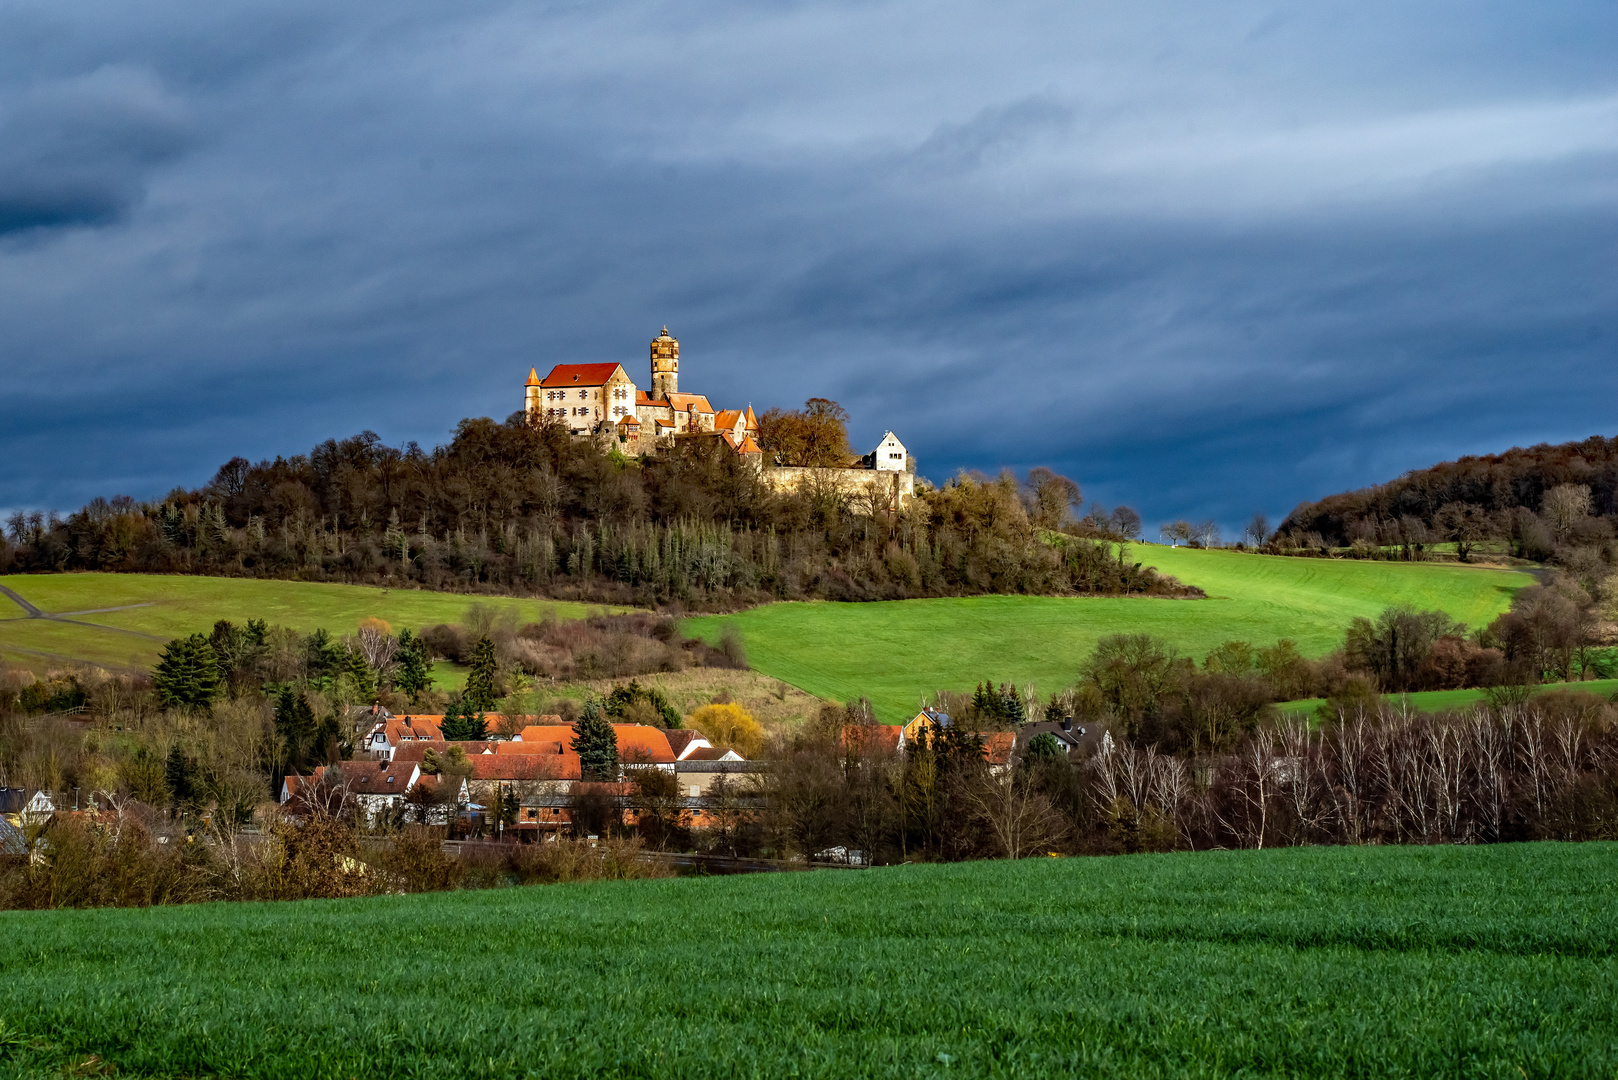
[890, 454]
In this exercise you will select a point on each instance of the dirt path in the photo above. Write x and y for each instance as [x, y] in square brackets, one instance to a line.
[32, 612]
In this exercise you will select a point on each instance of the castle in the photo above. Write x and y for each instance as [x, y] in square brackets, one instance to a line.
[603, 400]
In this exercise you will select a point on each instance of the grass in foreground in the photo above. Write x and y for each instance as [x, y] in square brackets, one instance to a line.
[897, 652]
[175, 605]
[1477, 961]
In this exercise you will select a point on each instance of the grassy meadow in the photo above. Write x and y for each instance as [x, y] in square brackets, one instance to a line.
[1385, 961]
[1440, 700]
[894, 653]
[155, 608]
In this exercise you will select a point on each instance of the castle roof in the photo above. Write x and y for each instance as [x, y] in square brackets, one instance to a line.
[748, 446]
[684, 402]
[533, 377]
[727, 418]
[580, 374]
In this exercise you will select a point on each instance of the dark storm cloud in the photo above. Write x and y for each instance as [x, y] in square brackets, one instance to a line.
[77, 151]
[1206, 260]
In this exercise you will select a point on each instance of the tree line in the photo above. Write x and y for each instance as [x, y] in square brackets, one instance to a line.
[522, 507]
[1544, 503]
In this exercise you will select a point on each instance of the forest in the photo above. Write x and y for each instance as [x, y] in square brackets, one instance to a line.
[1545, 503]
[521, 507]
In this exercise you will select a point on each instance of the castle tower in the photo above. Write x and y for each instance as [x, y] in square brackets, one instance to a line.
[665, 366]
[531, 392]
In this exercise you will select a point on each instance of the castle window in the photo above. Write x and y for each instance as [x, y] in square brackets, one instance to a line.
[583, 394]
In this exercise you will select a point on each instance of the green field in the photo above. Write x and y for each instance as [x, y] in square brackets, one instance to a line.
[1437, 700]
[894, 653]
[1471, 961]
[172, 606]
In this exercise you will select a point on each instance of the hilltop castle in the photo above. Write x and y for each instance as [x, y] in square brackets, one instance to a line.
[603, 400]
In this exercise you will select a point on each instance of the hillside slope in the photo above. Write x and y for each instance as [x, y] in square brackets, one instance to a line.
[896, 652]
[123, 620]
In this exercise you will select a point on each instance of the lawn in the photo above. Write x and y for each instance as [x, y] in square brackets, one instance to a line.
[895, 653]
[1363, 962]
[1436, 700]
[172, 606]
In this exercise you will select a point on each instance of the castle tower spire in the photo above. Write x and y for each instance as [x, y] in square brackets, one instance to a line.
[531, 393]
[665, 366]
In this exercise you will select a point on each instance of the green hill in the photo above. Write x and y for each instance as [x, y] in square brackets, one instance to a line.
[1466, 960]
[123, 620]
[896, 652]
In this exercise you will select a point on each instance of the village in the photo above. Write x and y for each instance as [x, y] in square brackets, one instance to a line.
[533, 786]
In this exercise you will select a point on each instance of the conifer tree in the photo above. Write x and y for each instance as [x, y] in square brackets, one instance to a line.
[295, 724]
[460, 724]
[596, 743]
[414, 674]
[480, 688]
[187, 677]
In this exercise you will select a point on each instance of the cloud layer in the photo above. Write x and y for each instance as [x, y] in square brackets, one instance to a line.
[1207, 261]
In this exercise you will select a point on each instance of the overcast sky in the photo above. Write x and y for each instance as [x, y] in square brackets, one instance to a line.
[1205, 258]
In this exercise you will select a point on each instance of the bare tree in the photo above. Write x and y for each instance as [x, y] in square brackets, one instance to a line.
[1021, 819]
[1564, 506]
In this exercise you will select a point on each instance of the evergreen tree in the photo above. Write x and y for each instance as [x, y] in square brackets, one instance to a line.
[295, 724]
[179, 772]
[323, 657]
[414, 673]
[596, 743]
[187, 677]
[480, 688]
[1011, 707]
[359, 673]
[460, 724]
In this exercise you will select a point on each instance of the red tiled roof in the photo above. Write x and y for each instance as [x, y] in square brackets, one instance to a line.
[683, 402]
[533, 377]
[727, 418]
[872, 736]
[680, 738]
[526, 767]
[752, 421]
[580, 374]
[417, 751]
[748, 446]
[997, 746]
[636, 742]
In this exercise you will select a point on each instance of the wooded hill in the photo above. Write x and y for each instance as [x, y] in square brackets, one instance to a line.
[522, 507]
[1544, 499]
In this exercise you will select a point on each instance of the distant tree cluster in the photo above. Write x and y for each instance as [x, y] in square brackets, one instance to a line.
[1546, 503]
[522, 507]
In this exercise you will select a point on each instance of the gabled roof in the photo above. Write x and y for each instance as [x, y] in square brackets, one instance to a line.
[683, 740]
[526, 767]
[580, 374]
[712, 753]
[729, 418]
[684, 402]
[876, 737]
[629, 421]
[417, 751]
[374, 777]
[636, 742]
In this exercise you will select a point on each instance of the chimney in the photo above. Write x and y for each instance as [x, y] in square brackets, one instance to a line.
[1067, 723]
